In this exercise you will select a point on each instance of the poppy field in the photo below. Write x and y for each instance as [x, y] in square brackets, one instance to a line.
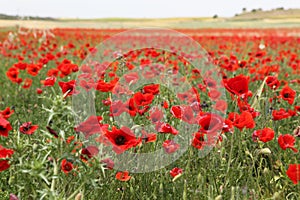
[211, 116]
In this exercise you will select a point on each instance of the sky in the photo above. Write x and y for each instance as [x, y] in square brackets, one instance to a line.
[137, 8]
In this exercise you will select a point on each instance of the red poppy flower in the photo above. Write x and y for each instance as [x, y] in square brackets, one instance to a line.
[5, 127]
[244, 120]
[176, 111]
[170, 146]
[20, 65]
[221, 105]
[287, 141]
[176, 172]
[156, 115]
[120, 90]
[272, 82]
[165, 105]
[90, 126]
[214, 94]
[12, 74]
[123, 176]
[131, 78]
[166, 128]
[109, 163]
[242, 63]
[39, 91]
[107, 102]
[52, 72]
[27, 83]
[148, 137]
[33, 69]
[227, 127]
[87, 84]
[4, 165]
[293, 172]
[211, 123]
[245, 106]
[237, 85]
[209, 82]
[198, 140]
[264, 135]
[280, 114]
[4, 154]
[196, 106]
[188, 115]
[49, 81]
[122, 139]
[153, 89]
[106, 87]
[117, 108]
[186, 96]
[131, 108]
[68, 88]
[74, 68]
[88, 153]
[27, 128]
[6, 113]
[66, 67]
[288, 94]
[292, 113]
[143, 99]
[66, 166]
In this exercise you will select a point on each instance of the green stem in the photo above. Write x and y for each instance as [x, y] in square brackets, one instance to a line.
[55, 172]
[230, 154]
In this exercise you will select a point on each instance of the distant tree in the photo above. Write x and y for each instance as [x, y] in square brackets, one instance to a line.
[244, 9]
[215, 16]
[280, 8]
[253, 10]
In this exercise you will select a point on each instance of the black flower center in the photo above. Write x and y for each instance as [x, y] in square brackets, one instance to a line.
[26, 128]
[206, 126]
[120, 140]
[68, 167]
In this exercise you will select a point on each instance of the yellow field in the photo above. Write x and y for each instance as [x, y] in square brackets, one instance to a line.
[167, 23]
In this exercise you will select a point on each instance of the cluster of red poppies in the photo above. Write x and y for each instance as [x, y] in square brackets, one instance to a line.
[5, 127]
[46, 62]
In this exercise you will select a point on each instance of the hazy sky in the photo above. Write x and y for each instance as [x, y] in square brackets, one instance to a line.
[137, 8]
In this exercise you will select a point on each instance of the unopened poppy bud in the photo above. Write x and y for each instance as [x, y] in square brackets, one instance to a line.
[265, 151]
[297, 132]
[34, 147]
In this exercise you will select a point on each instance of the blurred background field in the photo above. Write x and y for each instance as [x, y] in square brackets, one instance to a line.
[276, 18]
